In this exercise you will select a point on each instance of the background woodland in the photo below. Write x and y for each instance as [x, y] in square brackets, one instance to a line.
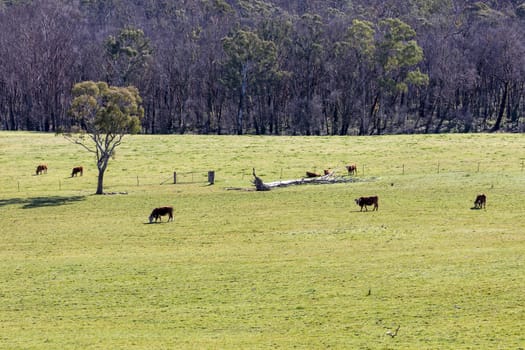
[275, 67]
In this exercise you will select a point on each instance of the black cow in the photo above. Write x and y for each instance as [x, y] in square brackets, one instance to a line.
[41, 169]
[480, 202]
[157, 214]
[77, 170]
[365, 201]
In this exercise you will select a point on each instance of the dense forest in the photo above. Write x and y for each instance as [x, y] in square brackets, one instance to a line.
[294, 67]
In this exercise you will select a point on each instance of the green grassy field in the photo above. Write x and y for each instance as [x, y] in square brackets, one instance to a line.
[297, 267]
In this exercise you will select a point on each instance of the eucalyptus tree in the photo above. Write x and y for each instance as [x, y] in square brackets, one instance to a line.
[38, 57]
[175, 73]
[128, 56]
[103, 115]
[273, 93]
[354, 74]
[250, 60]
[397, 54]
[217, 20]
[307, 66]
[499, 58]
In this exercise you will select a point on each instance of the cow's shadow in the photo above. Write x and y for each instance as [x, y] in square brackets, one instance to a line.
[39, 202]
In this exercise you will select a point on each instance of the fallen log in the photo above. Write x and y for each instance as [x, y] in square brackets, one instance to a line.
[321, 180]
[259, 184]
[330, 178]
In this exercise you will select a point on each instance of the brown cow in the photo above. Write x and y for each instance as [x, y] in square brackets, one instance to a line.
[328, 172]
[480, 202]
[352, 169]
[365, 201]
[311, 174]
[41, 169]
[162, 211]
[77, 170]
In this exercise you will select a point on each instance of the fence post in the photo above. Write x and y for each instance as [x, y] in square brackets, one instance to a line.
[211, 177]
[403, 169]
[174, 177]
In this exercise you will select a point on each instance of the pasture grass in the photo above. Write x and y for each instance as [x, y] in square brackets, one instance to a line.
[296, 267]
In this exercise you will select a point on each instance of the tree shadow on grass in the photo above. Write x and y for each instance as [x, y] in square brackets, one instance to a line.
[38, 202]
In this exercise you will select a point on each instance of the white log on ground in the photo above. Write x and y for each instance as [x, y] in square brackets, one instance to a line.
[321, 180]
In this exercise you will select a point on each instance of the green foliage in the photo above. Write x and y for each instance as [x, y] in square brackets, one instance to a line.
[245, 48]
[397, 53]
[308, 43]
[396, 31]
[296, 267]
[101, 109]
[346, 63]
[429, 8]
[361, 37]
[256, 8]
[398, 49]
[219, 6]
[129, 54]
[417, 78]
[251, 62]
[106, 114]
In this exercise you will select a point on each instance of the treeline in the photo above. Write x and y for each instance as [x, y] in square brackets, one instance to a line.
[302, 67]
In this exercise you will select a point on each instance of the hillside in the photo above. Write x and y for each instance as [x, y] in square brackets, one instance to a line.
[271, 67]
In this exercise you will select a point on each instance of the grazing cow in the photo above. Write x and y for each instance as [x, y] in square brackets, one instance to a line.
[480, 201]
[310, 174]
[77, 170]
[352, 169]
[365, 201]
[157, 214]
[41, 169]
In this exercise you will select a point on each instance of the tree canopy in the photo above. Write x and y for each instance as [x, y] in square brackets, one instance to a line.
[104, 114]
[271, 66]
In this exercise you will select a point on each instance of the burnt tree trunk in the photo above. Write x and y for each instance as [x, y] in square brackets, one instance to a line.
[502, 106]
[259, 184]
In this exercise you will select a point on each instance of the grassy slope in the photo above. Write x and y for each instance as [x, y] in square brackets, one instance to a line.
[287, 268]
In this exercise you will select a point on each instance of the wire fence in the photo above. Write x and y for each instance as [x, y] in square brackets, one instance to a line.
[208, 177]
[88, 181]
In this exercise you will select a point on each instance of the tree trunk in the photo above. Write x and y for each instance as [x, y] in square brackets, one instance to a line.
[502, 106]
[326, 179]
[259, 184]
[242, 94]
[102, 165]
[373, 118]
[100, 182]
